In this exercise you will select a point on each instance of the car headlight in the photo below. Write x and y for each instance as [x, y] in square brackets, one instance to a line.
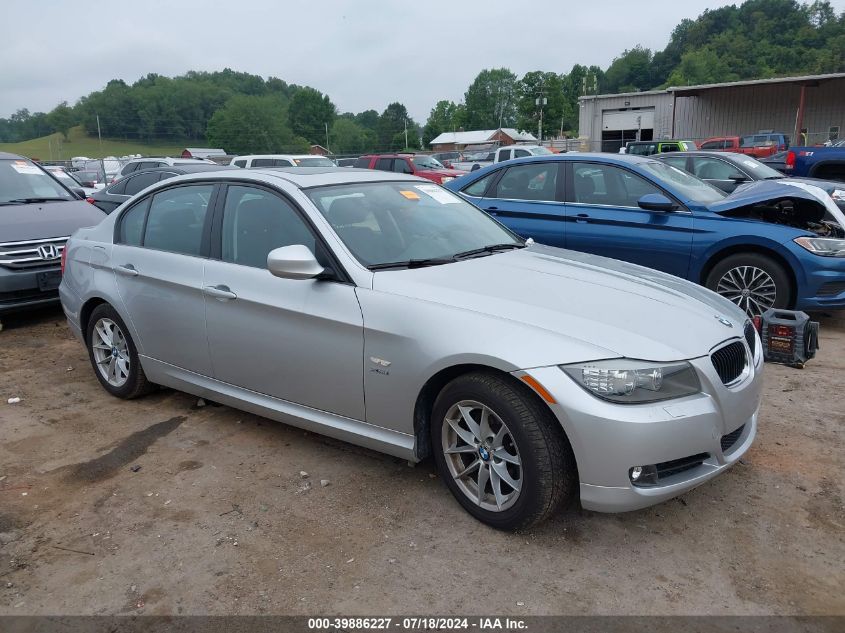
[446, 179]
[635, 382]
[825, 246]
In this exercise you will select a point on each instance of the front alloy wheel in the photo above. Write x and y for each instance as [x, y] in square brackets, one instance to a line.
[481, 455]
[751, 288]
[501, 451]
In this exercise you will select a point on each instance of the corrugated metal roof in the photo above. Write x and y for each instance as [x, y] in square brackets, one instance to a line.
[680, 90]
[479, 136]
[205, 151]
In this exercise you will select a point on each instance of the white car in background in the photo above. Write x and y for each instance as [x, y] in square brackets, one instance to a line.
[69, 179]
[281, 160]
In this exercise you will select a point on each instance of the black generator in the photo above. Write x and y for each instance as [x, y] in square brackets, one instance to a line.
[788, 337]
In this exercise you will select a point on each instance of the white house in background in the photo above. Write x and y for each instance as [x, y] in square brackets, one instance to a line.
[459, 140]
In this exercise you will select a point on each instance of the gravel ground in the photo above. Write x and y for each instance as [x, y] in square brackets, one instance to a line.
[220, 520]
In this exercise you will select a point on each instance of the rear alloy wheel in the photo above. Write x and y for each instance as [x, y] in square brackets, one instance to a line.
[752, 281]
[500, 451]
[113, 355]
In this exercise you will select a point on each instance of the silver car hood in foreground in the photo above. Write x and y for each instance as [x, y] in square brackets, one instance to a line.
[626, 309]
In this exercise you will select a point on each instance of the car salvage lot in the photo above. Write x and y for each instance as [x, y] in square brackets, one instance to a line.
[220, 519]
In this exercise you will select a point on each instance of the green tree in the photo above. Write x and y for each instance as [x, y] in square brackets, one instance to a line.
[368, 119]
[254, 124]
[391, 128]
[446, 116]
[530, 88]
[630, 72]
[347, 137]
[62, 118]
[309, 113]
[491, 100]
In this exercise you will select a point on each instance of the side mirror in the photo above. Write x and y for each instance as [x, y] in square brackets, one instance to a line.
[738, 177]
[80, 192]
[293, 262]
[655, 202]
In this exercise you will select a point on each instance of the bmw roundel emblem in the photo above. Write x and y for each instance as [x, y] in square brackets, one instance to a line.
[483, 453]
[723, 320]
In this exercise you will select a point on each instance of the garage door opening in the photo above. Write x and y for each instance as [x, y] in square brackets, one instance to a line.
[619, 127]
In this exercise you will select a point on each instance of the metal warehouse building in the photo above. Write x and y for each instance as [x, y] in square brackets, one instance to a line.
[788, 105]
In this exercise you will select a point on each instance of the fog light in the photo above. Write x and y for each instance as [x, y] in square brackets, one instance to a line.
[643, 475]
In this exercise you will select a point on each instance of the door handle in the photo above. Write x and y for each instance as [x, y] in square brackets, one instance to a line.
[127, 270]
[220, 292]
[492, 210]
[582, 218]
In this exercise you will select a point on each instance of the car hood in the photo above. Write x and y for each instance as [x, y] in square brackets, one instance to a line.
[42, 220]
[757, 192]
[822, 204]
[624, 309]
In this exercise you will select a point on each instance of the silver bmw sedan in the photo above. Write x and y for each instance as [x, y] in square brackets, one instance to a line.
[385, 311]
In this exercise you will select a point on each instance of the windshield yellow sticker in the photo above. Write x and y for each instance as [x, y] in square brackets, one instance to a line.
[410, 195]
[441, 195]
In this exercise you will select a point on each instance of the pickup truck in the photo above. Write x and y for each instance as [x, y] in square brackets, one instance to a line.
[817, 162]
[756, 145]
[482, 159]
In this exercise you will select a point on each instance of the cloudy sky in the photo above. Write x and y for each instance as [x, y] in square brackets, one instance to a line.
[363, 53]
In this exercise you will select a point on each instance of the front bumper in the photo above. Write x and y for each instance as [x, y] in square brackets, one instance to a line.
[609, 439]
[20, 290]
[824, 281]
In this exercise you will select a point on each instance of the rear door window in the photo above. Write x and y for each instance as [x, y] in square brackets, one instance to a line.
[384, 164]
[505, 154]
[141, 181]
[535, 181]
[262, 162]
[176, 219]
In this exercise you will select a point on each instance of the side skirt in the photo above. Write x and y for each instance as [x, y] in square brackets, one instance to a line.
[337, 426]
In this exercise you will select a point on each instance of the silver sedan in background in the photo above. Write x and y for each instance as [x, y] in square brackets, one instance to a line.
[383, 310]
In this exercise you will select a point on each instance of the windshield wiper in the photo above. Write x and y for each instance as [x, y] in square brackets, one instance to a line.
[42, 199]
[491, 248]
[413, 263]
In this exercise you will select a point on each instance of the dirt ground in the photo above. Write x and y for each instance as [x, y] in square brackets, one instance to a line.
[219, 520]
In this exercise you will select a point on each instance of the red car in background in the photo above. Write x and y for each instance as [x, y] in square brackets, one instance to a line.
[757, 145]
[417, 164]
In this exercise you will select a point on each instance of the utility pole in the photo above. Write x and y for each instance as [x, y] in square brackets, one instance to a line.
[327, 136]
[540, 101]
[406, 133]
[99, 136]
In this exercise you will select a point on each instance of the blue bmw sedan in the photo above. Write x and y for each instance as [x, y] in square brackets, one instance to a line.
[768, 244]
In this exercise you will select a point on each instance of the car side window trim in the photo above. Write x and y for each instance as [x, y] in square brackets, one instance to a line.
[206, 229]
[559, 186]
[216, 229]
[570, 188]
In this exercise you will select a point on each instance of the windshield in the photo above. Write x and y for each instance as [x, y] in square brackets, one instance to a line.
[317, 161]
[66, 179]
[761, 171]
[22, 181]
[407, 222]
[685, 184]
[427, 162]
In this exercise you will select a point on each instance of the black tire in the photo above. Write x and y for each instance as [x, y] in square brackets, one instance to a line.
[784, 290]
[549, 474]
[136, 382]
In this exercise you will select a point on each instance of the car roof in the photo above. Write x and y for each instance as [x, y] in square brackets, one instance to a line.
[292, 156]
[185, 169]
[304, 177]
[705, 152]
[600, 157]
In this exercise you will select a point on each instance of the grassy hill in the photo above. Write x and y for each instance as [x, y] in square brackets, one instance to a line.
[54, 147]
